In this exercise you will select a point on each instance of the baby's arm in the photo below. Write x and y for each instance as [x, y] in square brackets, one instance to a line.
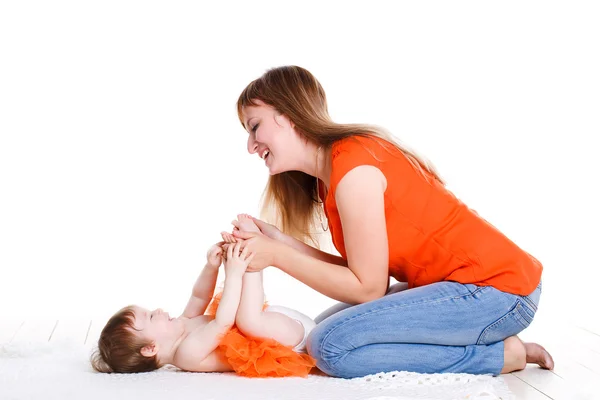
[196, 353]
[204, 288]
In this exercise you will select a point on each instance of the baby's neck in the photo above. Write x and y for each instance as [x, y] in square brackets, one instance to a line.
[171, 349]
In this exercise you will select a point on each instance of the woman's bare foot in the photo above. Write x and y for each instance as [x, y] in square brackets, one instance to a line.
[515, 355]
[246, 223]
[536, 354]
[518, 354]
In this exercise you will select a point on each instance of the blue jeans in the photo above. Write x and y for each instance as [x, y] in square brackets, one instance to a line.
[442, 327]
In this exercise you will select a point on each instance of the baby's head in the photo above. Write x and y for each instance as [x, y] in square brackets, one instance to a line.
[136, 340]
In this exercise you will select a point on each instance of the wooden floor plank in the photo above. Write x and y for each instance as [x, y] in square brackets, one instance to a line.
[9, 328]
[35, 330]
[572, 345]
[586, 338]
[522, 390]
[71, 330]
[576, 374]
[551, 384]
[94, 331]
[589, 359]
[573, 348]
[591, 325]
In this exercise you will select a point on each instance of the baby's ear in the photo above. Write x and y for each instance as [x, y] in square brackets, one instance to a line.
[149, 350]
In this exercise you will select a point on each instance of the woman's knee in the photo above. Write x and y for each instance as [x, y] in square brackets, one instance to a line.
[330, 311]
[395, 288]
[314, 349]
[321, 345]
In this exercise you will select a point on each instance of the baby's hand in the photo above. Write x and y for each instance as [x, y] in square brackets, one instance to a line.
[214, 257]
[228, 238]
[237, 262]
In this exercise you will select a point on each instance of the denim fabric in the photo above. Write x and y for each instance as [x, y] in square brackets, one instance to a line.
[442, 327]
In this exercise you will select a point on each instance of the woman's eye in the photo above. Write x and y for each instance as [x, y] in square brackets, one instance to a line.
[254, 128]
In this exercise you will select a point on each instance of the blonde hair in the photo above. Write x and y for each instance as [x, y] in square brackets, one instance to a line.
[119, 348]
[290, 199]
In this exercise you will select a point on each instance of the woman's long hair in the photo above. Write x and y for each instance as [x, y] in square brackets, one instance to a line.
[290, 199]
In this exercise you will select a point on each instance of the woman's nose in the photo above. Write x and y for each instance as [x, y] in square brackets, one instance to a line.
[252, 145]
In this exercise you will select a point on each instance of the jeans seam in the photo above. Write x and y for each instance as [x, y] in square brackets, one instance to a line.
[514, 309]
[354, 317]
[524, 314]
[530, 303]
[323, 359]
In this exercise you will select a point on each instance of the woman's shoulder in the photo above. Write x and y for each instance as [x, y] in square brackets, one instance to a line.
[358, 150]
[363, 149]
[354, 151]
[360, 143]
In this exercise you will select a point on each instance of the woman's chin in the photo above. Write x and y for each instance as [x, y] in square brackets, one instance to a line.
[273, 171]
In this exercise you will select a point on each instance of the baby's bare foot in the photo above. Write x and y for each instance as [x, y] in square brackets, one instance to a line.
[536, 354]
[246, 223]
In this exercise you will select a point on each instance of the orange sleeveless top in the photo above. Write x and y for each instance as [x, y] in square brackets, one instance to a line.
[432, 235]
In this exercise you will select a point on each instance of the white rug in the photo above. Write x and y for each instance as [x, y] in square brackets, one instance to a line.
[62, 371]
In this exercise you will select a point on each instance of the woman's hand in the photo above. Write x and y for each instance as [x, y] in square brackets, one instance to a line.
[263, 248]
[269, 230]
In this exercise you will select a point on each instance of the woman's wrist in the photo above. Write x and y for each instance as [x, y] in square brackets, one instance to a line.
[281, 253]
[283, 238]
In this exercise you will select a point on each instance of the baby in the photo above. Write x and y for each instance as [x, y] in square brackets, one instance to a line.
[233, 339]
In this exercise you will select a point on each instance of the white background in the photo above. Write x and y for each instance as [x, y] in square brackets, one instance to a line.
[121, 156]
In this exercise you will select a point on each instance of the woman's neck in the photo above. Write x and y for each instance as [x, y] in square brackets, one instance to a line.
[317, 163]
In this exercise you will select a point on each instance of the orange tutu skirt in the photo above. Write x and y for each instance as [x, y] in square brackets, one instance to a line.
[259, 357]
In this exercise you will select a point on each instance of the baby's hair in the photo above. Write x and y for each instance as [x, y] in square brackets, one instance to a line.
[119, 347]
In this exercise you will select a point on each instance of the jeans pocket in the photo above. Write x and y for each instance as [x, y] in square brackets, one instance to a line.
[511, 323]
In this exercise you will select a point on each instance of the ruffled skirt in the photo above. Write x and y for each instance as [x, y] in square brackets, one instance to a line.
[259, 357]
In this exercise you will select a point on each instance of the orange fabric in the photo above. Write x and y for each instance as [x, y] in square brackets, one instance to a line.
[432, 235]
[258, 357]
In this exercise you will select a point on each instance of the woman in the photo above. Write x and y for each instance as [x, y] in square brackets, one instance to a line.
[471, 290]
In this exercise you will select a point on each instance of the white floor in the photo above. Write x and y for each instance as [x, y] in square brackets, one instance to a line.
[576, 351]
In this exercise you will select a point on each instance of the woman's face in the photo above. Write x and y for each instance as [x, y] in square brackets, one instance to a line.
[271, 136]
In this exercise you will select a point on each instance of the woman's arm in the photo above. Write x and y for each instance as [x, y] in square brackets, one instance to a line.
[274, 233]
[313, 252]
[360, 201]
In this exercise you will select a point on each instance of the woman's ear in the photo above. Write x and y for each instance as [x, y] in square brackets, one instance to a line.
[149, 350]
[283, 120]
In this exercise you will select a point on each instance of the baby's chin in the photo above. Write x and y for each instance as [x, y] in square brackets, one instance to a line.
[179, 321]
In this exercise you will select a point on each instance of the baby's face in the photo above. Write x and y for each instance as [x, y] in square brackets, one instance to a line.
[157, 325]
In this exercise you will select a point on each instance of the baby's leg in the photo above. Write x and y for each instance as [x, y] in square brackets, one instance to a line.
[252, 321]
[245, 223]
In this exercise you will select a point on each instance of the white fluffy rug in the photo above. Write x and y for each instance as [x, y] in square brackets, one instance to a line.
[62, 371]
